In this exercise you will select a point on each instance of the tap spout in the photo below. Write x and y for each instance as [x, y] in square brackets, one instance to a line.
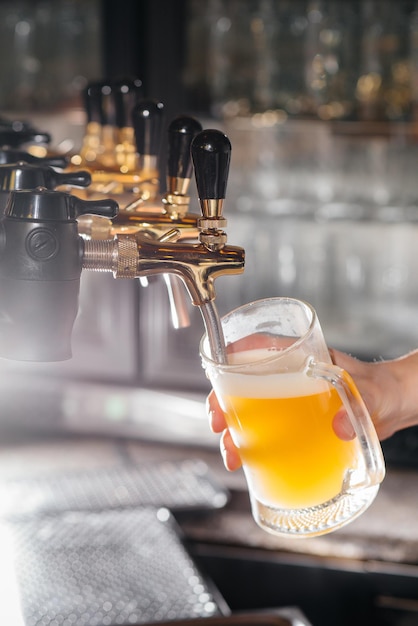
[137, 256]
[197, 266]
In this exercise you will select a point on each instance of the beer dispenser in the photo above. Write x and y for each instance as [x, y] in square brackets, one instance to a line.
[49, 235]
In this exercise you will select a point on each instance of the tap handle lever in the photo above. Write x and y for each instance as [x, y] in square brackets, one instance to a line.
[105, 207]
[211, 154]
[92, 100]
[28, 176]
[126, 93]
[13, 155]
[46, 205]
[181, 133]
[15, 138]
[147, 120]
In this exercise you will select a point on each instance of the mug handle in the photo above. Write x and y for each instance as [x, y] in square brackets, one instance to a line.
[357, 413]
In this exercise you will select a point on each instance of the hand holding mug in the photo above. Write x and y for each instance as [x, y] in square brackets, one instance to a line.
[279, 393]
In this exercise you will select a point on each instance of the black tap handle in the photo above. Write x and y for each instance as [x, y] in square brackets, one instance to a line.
[126, 94]
[181, 132]
[46, 205]
[27, 176]
[105, 207]
[211, 154]
[79, 178]
[93, 104]
[8, 156]
[147, 121]
[108, 103]
[16, 138]
[14, 124]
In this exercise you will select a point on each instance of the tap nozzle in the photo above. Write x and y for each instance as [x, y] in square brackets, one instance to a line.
[134, 256]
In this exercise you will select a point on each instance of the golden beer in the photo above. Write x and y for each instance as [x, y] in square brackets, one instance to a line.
[282, 426]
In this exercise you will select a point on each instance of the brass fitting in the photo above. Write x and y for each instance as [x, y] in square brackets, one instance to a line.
[139, 255]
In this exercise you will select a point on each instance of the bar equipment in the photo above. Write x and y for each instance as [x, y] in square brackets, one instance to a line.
[15, 134]
[132, 175]
[121, 141]
[13, 155]
[21, 175]
[171, 211]
[197, 264]
[42, 255]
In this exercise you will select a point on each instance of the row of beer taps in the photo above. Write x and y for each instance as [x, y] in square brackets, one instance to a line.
[104, 209]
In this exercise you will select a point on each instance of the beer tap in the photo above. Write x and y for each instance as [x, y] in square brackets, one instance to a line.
[172, 212]
[147, 120]
[197, 264]
[171, 215]
[92, 140]
[109, 150]
[42, 255]
[181, 133]
[139, 125]
[127, 94]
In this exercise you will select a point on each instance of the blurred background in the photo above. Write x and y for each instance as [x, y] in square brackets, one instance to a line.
[320, 101]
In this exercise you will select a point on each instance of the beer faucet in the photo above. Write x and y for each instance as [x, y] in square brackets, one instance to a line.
[197, 264]
[118, 146]
[143, 212]
[42, 256]
[170, 215]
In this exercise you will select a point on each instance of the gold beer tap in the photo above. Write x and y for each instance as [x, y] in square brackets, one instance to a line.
[141, 207]
[108, 149]
[127, 94]
[42, 256]
[197, 264]
[175, 204]
[121, 149]
[173, 210]
[155, 221]
[156, 218]
[92, 145]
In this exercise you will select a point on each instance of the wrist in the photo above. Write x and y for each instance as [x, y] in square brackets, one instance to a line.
[404, 402]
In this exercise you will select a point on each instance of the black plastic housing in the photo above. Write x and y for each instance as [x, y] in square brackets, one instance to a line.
[41, 258]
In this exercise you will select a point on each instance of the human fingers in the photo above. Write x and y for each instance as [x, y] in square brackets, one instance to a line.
[215, 414]
[342, 426]
[378, 389]
[229, 452]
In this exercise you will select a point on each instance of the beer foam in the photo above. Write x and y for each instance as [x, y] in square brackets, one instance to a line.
[288, 384]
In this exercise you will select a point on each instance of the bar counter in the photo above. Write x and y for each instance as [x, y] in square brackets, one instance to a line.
[387, 531]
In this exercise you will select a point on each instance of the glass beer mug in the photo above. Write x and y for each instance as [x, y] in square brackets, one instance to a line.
[280, 393]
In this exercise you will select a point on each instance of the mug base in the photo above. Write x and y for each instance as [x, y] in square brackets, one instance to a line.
[316, 520]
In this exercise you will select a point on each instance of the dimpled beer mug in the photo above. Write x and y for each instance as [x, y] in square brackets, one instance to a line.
[280, 393]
